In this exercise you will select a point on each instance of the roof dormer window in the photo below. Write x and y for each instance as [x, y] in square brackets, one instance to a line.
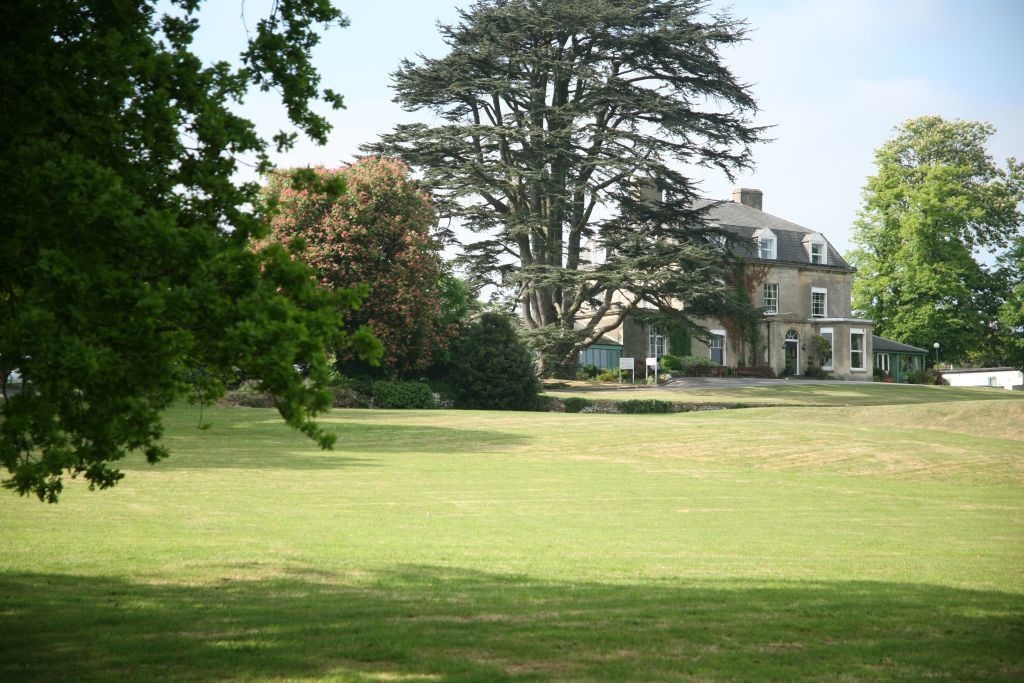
[767, 244]
[818, 254]
[817, 249]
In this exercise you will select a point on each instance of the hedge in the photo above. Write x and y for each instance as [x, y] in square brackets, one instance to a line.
[575, 404]
[402, 395]
[649, 405]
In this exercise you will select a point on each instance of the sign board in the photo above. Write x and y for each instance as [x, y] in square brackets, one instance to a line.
[652, 363]
[627, 364]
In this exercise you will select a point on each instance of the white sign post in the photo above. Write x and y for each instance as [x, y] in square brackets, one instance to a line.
[652, 362]
[627, 364]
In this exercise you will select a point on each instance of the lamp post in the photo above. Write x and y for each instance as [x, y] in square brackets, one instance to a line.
[936, 347]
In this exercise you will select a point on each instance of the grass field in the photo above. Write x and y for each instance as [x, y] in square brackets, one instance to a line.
[870, 542]
[782, 394]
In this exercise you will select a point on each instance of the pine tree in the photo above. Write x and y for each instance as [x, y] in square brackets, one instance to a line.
[556, 114]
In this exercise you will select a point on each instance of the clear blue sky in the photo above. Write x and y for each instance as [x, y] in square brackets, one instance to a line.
[832, 77]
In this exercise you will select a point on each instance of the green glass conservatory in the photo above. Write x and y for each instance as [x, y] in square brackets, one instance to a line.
[897, 359]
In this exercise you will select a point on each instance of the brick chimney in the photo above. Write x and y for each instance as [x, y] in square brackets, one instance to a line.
[752, 198]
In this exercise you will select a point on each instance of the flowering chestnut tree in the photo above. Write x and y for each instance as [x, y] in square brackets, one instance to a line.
[376, 230]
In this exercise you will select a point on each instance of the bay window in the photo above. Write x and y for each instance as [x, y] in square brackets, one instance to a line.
[857, 350]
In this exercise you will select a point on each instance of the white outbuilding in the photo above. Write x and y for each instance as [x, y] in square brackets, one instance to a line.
[1004, 378]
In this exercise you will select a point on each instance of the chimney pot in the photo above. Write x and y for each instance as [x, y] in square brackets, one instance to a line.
[748, 196]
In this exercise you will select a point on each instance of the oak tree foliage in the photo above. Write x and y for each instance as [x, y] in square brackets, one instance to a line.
[552, 115]
[936, 202]
[126, 275]
[1011, 309]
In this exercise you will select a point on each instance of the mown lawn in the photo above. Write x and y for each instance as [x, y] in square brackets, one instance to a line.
[783, 394]
[871, 542]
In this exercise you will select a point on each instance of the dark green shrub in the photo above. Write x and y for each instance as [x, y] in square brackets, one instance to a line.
[814, 372]
[250, 399]
[248, 395]
[402, 395]
[928, 376]
[547, 404]
[697, 361]
[575, 405]
[347, 397]
[360, 384]
[648, 405]
[692, 365]
[443, 388]
[587, 371]
[671, 363]
[492, 368]
[918, 377]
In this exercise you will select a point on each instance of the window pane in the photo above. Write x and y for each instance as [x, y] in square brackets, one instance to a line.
[818, 304]
[656, 343]
[817, 253]
[771, 298]
[718, 349]
[857, 351]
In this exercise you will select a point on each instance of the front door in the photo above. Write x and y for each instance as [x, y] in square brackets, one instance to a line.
[792, 348]
[790, 368]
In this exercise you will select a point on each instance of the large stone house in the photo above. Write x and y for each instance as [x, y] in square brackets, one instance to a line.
[803, 286]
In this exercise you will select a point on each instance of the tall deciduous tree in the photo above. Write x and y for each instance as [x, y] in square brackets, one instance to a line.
[937, 198]
[126, 277]
[1011, 312]
[377, 231]
[553, 109]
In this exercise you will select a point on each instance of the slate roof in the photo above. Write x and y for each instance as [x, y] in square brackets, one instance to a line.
[607, 341]
[743, 220]
[883, 344]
